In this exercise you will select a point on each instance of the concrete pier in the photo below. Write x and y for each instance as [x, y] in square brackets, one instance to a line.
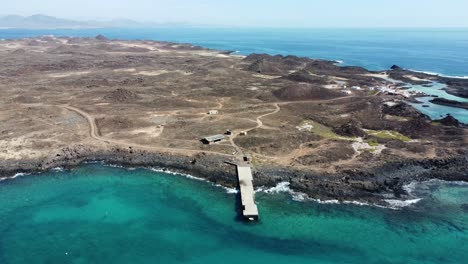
[249, 208]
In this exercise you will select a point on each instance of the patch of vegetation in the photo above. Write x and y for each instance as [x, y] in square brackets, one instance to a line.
[372, 92]
[321, 130]
[372, 142]
[370, 150]
[256, 161]
[388, 134]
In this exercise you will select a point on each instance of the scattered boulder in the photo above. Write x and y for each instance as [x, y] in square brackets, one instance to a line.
[396, 68]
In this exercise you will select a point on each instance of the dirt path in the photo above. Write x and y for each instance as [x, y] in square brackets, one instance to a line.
[93, 129]
[259, 125]
[94, 134]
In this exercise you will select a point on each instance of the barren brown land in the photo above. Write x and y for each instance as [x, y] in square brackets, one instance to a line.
[69, 100]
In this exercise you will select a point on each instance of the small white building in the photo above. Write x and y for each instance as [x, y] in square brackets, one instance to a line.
[356, 88]
[213, 112]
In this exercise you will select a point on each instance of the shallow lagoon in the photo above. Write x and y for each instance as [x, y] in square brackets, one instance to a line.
[101, 214]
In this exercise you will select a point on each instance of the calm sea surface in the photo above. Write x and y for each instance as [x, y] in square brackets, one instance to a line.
[443, 51]
[100, 214]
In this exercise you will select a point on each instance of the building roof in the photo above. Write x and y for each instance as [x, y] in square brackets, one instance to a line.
[214, 138]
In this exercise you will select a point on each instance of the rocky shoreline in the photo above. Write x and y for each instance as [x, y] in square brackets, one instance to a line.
[369, 185]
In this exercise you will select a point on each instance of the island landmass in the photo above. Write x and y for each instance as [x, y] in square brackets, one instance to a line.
[330, 131]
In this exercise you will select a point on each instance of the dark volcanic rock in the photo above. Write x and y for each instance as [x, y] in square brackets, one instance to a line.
[419, 127]
[401, 109]
[262, 66]
[351, 129]
[363, 185]
[451, 103]
[303, 91]
[277, 65]
[121, 95]
[396, 68]
[449, 120]
[101, 37]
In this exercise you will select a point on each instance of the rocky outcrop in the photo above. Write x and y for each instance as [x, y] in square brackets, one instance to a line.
[351, 129]
[449, 120]
[451, 103]
[101, 38]
[303, 91]
[401, 109]
[121, 95]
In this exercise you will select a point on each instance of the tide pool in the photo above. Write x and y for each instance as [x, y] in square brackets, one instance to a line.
[102, 214]
[436, 111]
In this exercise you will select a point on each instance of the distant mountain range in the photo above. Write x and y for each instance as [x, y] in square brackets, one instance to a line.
[50, 22]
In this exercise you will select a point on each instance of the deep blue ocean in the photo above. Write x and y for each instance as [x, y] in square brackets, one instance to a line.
[443, 51]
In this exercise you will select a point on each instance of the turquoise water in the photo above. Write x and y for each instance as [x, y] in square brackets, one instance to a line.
[435, 50]
[435, 111]
[99, 214]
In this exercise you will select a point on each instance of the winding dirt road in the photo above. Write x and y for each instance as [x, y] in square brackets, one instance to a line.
[259, 125]
[94, 134]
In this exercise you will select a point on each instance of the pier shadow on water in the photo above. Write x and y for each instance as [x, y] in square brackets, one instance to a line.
[239, 217]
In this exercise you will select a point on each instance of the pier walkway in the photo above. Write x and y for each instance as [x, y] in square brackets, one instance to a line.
[247, 192]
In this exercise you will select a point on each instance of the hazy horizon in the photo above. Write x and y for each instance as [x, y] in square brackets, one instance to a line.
[261, 13]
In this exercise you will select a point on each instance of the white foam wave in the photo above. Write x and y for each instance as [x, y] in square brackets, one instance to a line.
[284, 187]
[409, 188]
[227, 189]
[402, 203]
[177, 173]
[440, 75]
[280, 187]
[20, 174]
[437, 181]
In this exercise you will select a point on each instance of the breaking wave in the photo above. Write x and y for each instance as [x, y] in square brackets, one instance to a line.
[21, 174]
[439, 74]
[284, 187]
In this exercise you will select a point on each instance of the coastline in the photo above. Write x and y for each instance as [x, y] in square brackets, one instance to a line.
[366, 185]
[369, 186]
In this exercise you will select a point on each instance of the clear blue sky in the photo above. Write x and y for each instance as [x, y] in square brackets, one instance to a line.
[258, 13]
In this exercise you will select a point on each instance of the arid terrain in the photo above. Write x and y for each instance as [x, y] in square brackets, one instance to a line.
[321, 127]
